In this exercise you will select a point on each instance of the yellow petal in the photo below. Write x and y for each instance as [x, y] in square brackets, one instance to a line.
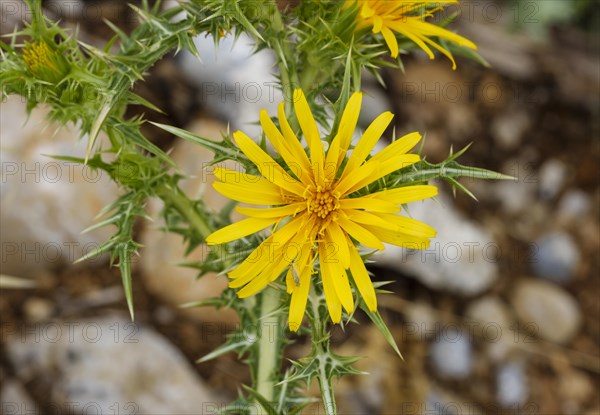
[276, 212]
[263, 254]
[310, 130]
[366, 11]
[368, 140]
[238, 230]
[383, 168]
[362, 280]
[398, 147]
[361, 234]
[337, 240]
[298, 301]
[369, 203]
[406, 225]
[290, 280]
[367, 218]
[350, 179]
[348, 121]
[281, 259]
[268, 167]
[269, 274]
[341, 285]
[399, 239]
[390, 40]
[400, 27]
[331, 298]
[278, 141]
[331, 161]
[254, 194]
[405, 194]
[292, 141]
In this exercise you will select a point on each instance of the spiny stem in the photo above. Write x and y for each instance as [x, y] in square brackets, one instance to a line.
[320, 341]
[268, 344]
[326, 394]
[175, 197]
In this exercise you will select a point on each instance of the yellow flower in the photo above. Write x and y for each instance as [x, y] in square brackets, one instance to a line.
[314, 209]
[406, 17]
[44, 62]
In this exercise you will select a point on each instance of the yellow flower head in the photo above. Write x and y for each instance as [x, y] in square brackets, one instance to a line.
[406, 17]
[44, 62]
[314, 210]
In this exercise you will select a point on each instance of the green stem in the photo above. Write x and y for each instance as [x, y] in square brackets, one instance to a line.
[268, 344]
[309, 75]
[320, 341]
[326, 393]
[285, 63]
[175, 197]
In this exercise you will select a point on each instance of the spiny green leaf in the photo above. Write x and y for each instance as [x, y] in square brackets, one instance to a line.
[383, 329]
[125, 268]
[266, 405]
[238, 347]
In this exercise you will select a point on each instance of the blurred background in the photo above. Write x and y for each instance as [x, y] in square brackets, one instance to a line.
[500, 315]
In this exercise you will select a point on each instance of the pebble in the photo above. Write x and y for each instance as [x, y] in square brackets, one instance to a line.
[107, 363]
[46, 203]
[547, 310]
[514, 197]
[15, 400]
[452, 354]
[553, 174]
[461, 259]
[489, 309]
[555, 256]
[441, 402]
[491, 319]
[575, 389]
[37, 309]
[233, 81]
[574, 205]
[511, 384]
[508, 129]
[420, 320]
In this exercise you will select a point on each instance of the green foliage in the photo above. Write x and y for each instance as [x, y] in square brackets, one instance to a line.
[317, 48]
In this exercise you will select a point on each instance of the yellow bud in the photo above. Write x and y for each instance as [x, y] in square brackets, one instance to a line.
[43, 62]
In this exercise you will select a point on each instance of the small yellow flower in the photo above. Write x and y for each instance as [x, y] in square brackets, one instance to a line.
[314, 211]
[406, 17]
[44, 62]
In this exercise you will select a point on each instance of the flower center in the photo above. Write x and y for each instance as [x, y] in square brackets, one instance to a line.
[322, 203]
[38, 56]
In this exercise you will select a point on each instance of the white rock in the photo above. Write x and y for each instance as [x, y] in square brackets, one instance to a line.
[37, 309]
[574, 204]
[489, 309]
[490, 317]
[546, 309]
[421, 320]
[441, 402]
[555, 256]
[511, 384]
[575, 388]
[234, 82]
[107, 363]
[46, 203]
[14, 400]
[514, 197]
[452, 354]
[508, 128]
[553, 174]
[462, 257]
